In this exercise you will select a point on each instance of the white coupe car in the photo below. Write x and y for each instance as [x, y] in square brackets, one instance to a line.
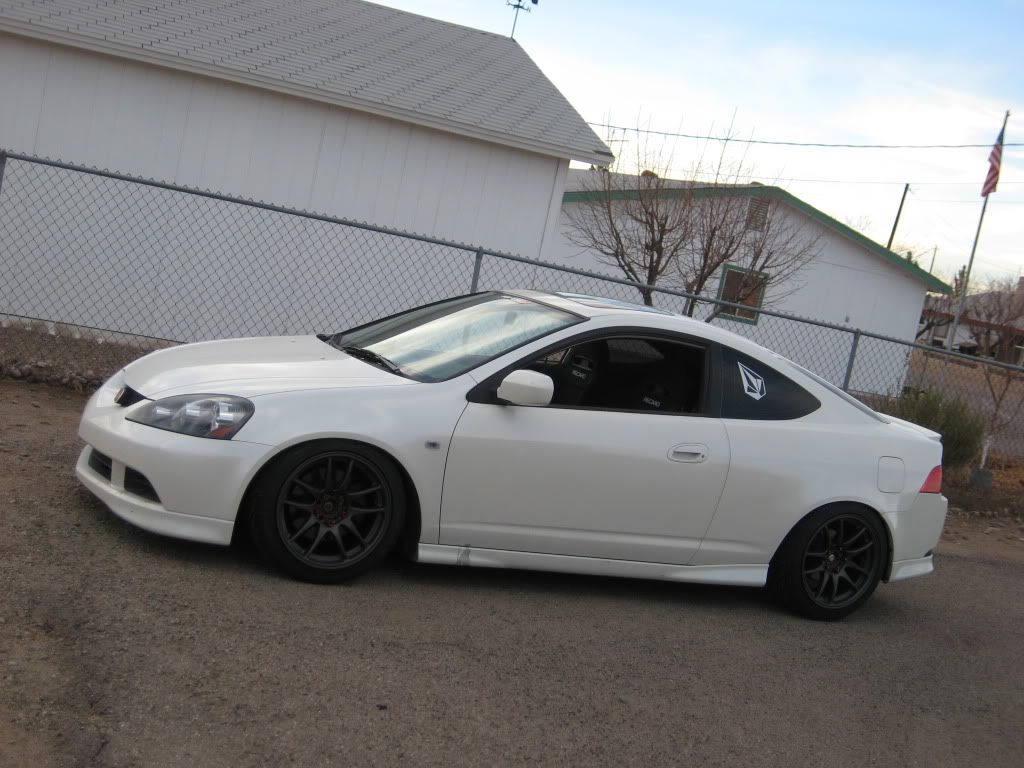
[520, 429]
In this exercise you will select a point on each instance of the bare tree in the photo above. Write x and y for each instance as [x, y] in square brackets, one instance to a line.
[682, 233]
[860, 223]
[750, 229]
[1005, 407]
[639, 224]
[909, 251]
[994, 318]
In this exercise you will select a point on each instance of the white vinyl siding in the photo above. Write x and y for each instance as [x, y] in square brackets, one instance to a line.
[135, 118]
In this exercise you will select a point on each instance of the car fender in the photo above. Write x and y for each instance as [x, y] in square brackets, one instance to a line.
[413, 425]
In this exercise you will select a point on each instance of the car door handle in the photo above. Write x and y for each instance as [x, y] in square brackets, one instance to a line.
[692, 453]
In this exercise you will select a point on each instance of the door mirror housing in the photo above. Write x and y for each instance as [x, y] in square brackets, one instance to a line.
[526, 388]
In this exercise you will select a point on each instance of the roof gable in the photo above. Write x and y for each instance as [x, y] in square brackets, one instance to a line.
[345, 52]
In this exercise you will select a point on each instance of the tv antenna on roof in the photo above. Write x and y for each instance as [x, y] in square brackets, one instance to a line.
[519, 5]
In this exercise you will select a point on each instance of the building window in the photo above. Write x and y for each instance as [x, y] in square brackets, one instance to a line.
[940, 331]
[757, 213]
[741, 286]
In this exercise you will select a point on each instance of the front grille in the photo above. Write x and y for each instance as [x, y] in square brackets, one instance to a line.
[100, 463]
[137, 483]
[127, 396]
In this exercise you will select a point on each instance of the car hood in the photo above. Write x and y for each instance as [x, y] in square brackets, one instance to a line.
[251, 367]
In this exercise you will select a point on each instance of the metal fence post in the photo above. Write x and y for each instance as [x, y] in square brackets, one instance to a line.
[3, 166]
[476, 270]
[849, 363]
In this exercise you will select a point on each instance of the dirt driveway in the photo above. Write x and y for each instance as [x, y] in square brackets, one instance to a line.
[119, 648]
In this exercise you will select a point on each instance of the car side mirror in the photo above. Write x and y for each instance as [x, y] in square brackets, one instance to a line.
[524, 387]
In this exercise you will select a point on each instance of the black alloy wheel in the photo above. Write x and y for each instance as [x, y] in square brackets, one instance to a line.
[328, 511]
[839, 562]
[831, 562]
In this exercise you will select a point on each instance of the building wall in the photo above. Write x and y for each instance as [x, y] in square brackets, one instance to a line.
[850, 286]
[843, 285]
[106, 112]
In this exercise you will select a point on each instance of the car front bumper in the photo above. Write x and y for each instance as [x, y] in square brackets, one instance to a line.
[195, 485]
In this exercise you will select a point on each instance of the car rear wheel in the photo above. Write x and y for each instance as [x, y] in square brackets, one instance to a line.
[328, 511]
[831, 562]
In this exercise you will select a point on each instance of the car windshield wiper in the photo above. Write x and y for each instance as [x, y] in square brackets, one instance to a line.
[334, 339]
[372, 357]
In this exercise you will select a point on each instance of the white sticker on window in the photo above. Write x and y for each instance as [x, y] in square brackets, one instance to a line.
[753, 384]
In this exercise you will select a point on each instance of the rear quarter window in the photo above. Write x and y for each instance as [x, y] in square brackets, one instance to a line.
[754, 390]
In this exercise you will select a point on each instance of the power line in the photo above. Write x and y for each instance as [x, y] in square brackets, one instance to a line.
[820, 144]
[964, 202]
[951, 183]
[882, 183]
[835, 181]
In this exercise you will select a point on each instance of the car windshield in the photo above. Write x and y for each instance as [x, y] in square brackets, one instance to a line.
[446, 339]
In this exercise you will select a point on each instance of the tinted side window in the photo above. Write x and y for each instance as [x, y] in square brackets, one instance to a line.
[753, 390]
[627, 373]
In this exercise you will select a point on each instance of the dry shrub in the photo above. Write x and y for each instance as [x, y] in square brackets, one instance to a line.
[962, 429]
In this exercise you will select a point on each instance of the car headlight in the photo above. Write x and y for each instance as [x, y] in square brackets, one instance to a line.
[216, 416]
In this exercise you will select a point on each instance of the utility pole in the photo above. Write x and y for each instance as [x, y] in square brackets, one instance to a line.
[519, 5]
[931, 266]
[906, 188]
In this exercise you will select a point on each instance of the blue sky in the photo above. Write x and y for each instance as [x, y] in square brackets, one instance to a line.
[874, 72]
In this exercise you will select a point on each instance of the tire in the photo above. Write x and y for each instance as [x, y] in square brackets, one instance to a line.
[328, 511]
[830, 563]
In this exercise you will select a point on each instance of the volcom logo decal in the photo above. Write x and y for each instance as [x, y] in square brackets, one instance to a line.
[753, 384]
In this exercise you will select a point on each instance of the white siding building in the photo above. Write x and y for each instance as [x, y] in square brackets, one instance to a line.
[851, 281]
[342, 107]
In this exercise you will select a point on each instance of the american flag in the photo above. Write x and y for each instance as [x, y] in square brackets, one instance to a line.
[995, 159]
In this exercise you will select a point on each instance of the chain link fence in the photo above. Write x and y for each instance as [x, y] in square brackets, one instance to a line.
[98, 267]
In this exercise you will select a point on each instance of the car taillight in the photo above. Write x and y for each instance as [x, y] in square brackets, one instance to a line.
[933, 483]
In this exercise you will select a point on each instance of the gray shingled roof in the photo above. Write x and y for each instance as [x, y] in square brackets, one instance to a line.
[346, 52]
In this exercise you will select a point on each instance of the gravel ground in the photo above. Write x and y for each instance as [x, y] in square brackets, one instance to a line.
[120, 648]
[60, 354]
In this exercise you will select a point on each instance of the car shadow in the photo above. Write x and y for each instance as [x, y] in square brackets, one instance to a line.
[571, 586]
[241, 557]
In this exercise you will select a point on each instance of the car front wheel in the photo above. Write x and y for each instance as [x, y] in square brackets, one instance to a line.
[328, 511]
[831, 562]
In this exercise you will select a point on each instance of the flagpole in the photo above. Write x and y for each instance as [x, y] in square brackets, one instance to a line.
[970, 263]
[967, 278]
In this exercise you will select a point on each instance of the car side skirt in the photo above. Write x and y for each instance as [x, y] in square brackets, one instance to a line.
[734, 575]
